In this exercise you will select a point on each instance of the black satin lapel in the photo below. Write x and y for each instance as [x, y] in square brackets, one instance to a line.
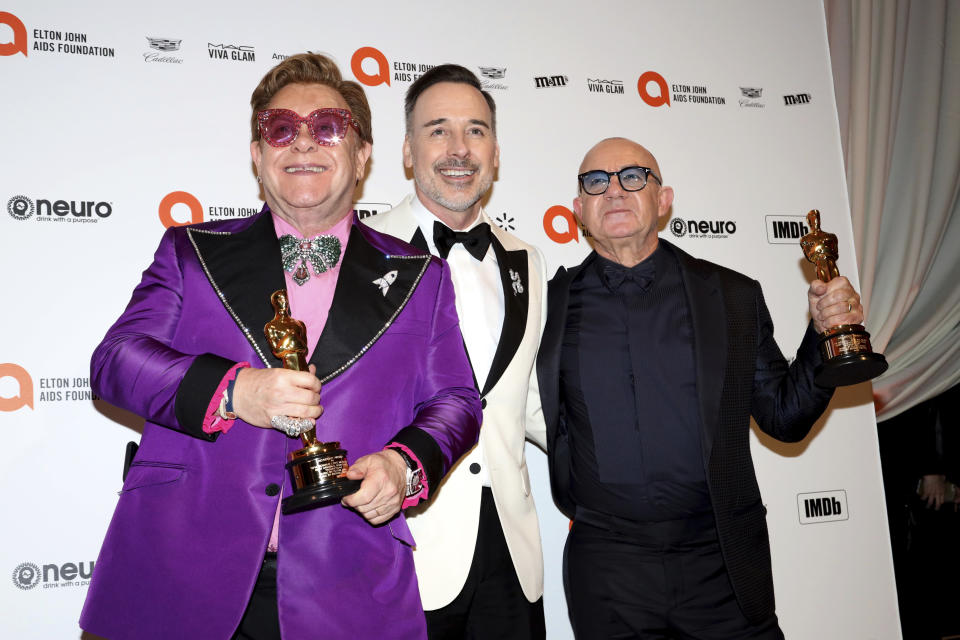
[709, 344]
[419, 241]
[360, 312]
[244, 269]
[516, 300]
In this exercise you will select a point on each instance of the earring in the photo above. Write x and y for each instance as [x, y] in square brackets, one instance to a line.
[259, 179]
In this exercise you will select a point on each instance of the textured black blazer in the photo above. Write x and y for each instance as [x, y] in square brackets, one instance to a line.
[740, 372]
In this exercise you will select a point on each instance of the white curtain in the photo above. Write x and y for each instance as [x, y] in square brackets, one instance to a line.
[896, 66]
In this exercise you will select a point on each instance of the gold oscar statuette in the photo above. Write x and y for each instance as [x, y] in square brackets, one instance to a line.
[319, 469]
[847, 355]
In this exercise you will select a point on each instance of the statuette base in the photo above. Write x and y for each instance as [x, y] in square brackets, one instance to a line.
[847, 357]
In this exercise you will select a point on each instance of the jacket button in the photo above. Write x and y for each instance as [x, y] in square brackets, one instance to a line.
[474, 468]
[272, 489]
[483, 403]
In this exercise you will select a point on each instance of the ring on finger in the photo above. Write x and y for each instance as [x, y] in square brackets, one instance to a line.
[293, 427]
[849, 306]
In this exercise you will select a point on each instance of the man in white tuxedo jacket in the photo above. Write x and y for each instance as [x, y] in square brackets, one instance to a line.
[478, 556]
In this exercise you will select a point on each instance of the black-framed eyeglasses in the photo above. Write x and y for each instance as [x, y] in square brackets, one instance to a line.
[595, 182]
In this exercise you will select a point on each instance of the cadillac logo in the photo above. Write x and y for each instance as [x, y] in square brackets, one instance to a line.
[164, 44]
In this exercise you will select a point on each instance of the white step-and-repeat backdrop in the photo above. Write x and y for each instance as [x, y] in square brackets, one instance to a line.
[119, 118]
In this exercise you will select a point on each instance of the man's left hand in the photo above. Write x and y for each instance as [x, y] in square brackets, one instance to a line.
[384, 486]
[834, 303]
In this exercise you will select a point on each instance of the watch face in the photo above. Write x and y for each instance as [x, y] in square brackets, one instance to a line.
[414, 481]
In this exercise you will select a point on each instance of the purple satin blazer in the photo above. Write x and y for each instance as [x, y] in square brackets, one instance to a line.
[188, 536]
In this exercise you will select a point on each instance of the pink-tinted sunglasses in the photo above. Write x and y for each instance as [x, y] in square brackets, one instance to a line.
[280, 127]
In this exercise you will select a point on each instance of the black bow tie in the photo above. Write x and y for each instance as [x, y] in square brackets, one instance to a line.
[476, 241]
[642, 274]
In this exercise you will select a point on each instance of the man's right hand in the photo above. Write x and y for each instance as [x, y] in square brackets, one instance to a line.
[932, 490]
[260, 394]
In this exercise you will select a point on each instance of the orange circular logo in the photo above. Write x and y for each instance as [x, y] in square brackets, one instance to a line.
[383, 67]
[568, 224]
[175, 198]
[19, 44]
[643, 87]
[25, 395]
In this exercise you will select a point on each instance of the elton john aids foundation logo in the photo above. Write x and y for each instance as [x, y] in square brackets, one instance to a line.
[560, 225]
[655, 91]
[661, 96]
[359, 65]
[13, 375]
[19, 42]
[184, 202]
[371, 67]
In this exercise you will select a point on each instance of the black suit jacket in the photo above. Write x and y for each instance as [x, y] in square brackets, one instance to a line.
[740, 372]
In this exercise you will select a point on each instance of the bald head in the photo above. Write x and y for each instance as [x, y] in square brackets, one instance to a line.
[623, 222]
[611, 150]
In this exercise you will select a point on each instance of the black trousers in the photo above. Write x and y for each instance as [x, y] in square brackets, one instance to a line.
[261, 620]
[491, 603]
[662, 580]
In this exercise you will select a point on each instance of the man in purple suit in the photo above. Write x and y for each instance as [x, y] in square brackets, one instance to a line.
[197, 547]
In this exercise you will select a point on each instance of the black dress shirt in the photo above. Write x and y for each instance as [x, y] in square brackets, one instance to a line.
[628, 377]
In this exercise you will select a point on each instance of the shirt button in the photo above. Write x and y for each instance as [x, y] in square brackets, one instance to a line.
[474, 468]
[483, 403]
[272, 489]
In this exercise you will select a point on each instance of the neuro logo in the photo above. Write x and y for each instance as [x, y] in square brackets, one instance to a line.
[24, 396]
[658, 99]
[678, 228]
[568, 225]
[505, 222]
[703, 228]
[20, 207]
[177, 198]
[19, 43]
[26, 576]
[382, 76]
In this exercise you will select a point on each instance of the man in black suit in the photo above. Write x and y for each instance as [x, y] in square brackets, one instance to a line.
[651, 364]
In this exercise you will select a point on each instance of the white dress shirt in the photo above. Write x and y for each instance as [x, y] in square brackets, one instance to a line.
[479, 298]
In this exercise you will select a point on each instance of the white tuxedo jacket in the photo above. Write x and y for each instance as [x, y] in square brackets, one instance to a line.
[445, 528]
